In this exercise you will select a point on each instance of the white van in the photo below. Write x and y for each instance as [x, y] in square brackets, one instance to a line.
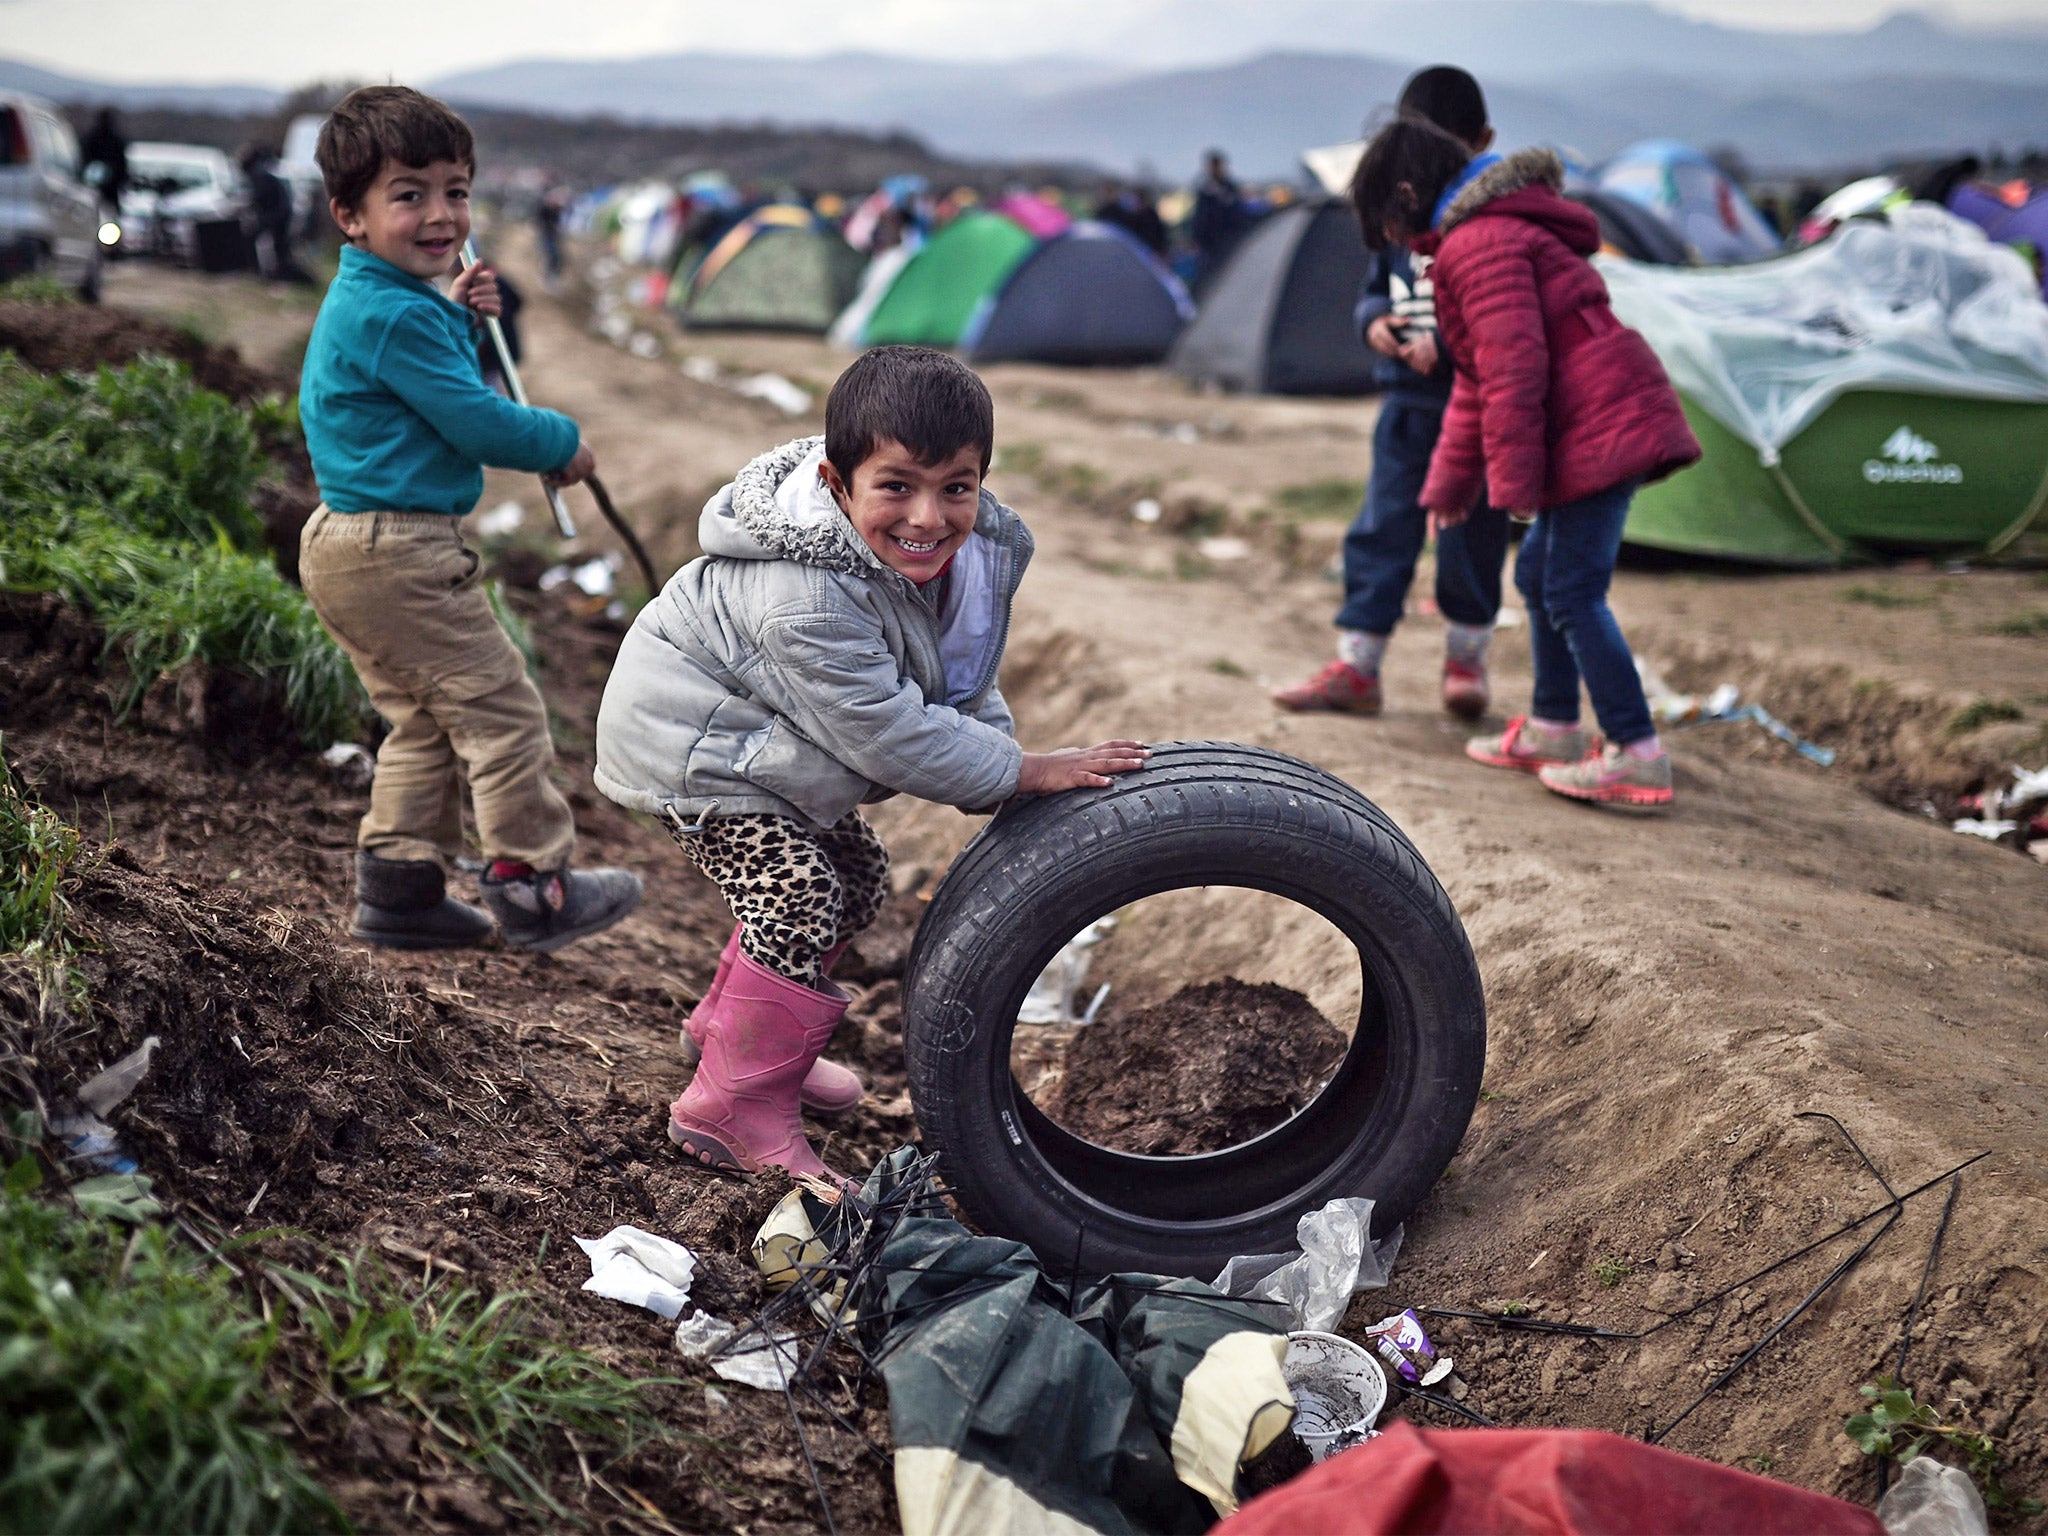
[49, 218]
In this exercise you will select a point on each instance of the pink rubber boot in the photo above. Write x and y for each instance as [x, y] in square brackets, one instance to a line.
[740, 1112]
[829, 1089]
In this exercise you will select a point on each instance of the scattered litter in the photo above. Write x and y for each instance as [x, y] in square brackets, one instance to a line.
[1404, 1346]
[1052, 997]
[501, 521]
[1508, 618]
[1147, 510]
[616, 327]
[105, 1091]
[640, 1269]
[766, 1362]
[124, 1196]
[1336, 1260]
[593, 578]
[790, 399]
[1990, 831]
[1223, 548]
[1724, 705]
[349, 765]
[1931, 1499]
[702, 369]
[716, 1400]
[1339, 1390]
[644, 344]
[90, 1142]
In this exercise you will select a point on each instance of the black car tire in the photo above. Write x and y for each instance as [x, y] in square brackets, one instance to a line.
[1201, 813]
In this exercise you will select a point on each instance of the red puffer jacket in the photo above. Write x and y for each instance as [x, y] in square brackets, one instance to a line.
[1555, 398]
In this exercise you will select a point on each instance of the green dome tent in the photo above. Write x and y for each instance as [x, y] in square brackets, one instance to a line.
[1886, 389]
[779, 269]
[941, 288]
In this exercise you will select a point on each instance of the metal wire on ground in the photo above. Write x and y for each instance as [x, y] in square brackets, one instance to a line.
[1890, 1210]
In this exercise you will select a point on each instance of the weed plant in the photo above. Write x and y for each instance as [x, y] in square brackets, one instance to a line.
[1896, 1425]
[486, 1391]
[132, 1392]
[36, 290]
[1320, 499]
[127, 494]
[38, 934]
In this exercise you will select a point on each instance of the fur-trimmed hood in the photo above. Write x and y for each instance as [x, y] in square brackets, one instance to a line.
[1527, 184]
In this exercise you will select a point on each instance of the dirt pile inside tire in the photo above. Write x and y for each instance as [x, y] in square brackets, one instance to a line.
[1215, 1064]
[1202, 813]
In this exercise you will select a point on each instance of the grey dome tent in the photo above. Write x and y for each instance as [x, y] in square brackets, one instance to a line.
[1631, 230]
[1277, 320]
[1091, 294]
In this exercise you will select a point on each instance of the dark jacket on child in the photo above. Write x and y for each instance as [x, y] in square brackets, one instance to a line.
[1398, 284]
[1555, 398]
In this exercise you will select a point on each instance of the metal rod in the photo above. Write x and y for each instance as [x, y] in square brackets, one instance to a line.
[564, 523]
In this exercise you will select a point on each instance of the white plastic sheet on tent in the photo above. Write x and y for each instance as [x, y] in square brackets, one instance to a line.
[1923, 303]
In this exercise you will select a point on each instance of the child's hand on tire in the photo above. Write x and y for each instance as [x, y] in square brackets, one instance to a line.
[1047, 773]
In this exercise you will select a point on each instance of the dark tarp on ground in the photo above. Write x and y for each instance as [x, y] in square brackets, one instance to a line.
[1017, 1402]
[1535, 1482]
[1090, 295]
[1278, 319]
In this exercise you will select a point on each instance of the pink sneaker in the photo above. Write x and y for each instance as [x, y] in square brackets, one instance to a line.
[1614, 777]
[1466, 693]
[1528, 750]
[1339, 686]
[829, 1089]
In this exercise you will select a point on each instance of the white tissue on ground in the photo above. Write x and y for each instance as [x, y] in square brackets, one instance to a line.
[1336, 1260]
[501, 520]
[640, 1269]
[759, 1362]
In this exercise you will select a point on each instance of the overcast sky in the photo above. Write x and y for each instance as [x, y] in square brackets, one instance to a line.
[289, 42]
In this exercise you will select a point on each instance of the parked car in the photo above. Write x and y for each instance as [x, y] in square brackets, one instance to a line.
[49, 218]
[174, 190]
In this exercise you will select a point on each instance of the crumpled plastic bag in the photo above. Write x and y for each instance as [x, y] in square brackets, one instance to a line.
[763, 1362]
[1930, 1499]
[640, 1269]
[1337, 1259]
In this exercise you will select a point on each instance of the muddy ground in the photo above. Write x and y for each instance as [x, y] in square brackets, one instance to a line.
[1665, 997]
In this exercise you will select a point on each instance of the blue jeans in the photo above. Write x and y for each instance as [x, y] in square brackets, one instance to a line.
[1563, 572]
[1386, 539]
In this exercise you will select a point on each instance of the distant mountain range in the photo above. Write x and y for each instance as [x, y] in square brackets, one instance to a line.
[1589, 77]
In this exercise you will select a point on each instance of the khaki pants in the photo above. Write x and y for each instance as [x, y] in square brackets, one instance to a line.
[402, 594]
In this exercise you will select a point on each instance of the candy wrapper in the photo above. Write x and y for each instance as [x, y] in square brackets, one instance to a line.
[1407, 1350]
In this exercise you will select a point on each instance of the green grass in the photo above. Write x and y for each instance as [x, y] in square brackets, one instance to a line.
[1611, 1272]
[1979, 713]
[132, 1391]
[1888, 597]
[1223, 666]
[484, 1389]
[1331, 499]
[39, 936]
[36, 290]
[2023, 626]
[127, 494]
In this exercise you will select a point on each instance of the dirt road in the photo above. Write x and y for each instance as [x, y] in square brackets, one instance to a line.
[1665, 997]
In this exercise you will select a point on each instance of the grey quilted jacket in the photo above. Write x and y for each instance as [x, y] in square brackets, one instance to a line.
[790, 672]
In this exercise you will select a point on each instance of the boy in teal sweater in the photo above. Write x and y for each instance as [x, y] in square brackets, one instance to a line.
[399, 425]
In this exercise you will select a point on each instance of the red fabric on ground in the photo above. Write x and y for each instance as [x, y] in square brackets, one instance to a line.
[1535, 1482]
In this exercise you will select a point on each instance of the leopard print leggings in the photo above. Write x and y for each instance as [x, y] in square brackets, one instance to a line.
[794, 889]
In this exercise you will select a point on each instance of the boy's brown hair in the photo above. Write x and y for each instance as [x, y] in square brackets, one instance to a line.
[930, 402]
[376, 123]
